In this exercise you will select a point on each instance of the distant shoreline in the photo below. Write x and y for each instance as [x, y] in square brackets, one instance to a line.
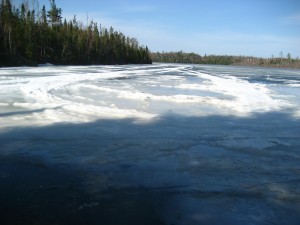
[20, 61]
[192, 58]
[233, 65]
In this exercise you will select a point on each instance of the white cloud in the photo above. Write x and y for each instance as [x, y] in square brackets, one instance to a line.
[147, 33]
[159, 37]
[233, 44]
[292, 19]
[137, 8]
[246, 44]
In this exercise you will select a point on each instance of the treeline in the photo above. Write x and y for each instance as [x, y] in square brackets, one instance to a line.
[33, 36]
[182, 57]
[282, 62]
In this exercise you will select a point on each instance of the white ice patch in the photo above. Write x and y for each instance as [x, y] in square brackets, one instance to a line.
[247, 97]
[52, 94]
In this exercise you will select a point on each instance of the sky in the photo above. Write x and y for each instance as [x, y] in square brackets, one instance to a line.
[262, 28]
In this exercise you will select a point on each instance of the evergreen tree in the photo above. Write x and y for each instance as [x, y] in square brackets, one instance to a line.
[29, 36]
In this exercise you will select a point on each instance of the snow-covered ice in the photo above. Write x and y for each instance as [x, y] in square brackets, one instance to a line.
[149, 144]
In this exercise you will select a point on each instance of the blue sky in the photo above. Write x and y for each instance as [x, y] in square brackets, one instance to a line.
[236, 27]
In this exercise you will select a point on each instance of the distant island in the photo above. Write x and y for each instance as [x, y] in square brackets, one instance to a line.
[32, 36]
[182, 57]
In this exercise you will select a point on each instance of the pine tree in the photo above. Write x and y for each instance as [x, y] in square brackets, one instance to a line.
[41, 36]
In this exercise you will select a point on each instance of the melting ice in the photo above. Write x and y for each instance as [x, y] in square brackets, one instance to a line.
[162, 143]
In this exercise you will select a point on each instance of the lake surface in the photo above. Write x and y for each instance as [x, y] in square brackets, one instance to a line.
[149, 144]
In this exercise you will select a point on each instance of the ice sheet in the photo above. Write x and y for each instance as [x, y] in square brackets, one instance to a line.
[83, 94]
[149, 144]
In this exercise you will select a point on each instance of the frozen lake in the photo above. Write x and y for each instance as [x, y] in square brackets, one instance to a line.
[166, 144]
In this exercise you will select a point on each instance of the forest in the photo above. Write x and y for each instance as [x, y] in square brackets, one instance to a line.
[182, 57]
[31, 36]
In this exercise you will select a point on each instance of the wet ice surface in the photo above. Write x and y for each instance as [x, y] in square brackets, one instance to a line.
[160, 144]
